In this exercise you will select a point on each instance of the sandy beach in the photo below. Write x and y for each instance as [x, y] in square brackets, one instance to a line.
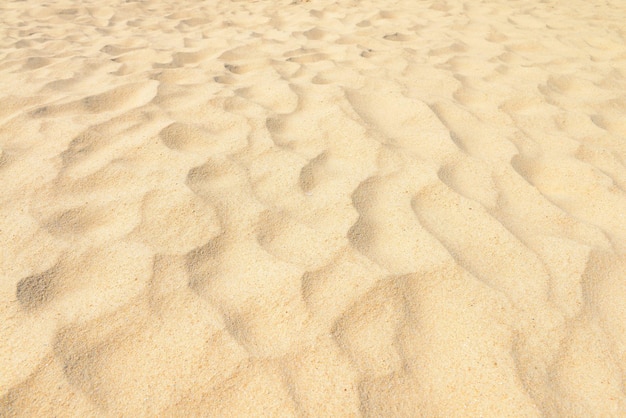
[278, 208]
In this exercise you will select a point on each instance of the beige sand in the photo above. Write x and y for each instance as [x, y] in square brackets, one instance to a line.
[323, 209]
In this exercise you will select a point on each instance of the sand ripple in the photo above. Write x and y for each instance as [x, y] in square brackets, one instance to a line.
[313, 208]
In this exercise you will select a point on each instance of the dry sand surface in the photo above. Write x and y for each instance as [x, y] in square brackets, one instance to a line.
[318, 209]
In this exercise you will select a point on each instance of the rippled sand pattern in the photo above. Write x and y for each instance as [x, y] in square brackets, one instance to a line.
[319, 209]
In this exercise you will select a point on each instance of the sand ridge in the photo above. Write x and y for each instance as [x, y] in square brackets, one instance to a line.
[313, 208]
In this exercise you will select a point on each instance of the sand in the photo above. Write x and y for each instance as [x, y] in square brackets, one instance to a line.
[314, 209]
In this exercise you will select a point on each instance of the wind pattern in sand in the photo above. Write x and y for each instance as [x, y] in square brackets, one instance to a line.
[324, 208]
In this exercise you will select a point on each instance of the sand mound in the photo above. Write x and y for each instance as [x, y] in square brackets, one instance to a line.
[313, 208]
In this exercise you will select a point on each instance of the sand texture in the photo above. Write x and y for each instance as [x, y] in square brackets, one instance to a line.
[377, 208]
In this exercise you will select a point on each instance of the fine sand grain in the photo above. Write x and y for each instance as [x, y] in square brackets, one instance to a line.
[382, 208]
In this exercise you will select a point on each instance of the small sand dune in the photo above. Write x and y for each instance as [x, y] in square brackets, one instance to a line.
[313, 208]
